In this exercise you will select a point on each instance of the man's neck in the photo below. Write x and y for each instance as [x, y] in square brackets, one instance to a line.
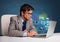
[23, 18]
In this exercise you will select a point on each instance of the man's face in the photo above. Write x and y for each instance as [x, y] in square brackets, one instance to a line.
[27, 15]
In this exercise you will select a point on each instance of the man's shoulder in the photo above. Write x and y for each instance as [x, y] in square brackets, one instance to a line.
[14, 17]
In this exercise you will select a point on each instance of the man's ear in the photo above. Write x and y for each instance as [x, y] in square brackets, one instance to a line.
[22, 13]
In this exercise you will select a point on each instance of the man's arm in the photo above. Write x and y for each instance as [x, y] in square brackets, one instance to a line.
[32, 30]
[31, 25]
[12, 31]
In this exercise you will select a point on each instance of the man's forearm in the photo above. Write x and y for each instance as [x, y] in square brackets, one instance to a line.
[16, 33]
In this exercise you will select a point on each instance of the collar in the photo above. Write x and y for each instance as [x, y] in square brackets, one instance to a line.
[22, 19]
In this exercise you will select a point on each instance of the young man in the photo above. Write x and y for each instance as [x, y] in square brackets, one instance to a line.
[22, 25]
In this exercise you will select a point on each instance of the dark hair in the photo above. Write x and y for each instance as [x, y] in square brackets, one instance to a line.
[25, 7]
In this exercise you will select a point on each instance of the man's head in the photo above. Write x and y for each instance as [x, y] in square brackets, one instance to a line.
[26, 11]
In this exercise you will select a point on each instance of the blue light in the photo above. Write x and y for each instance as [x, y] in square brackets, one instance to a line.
[41, 25]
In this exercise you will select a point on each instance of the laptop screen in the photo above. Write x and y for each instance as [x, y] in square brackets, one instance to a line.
[41, 25]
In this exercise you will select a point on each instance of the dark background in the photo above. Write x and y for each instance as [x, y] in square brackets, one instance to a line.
[50, 7]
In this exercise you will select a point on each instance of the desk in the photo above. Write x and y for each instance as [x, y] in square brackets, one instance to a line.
[54, 38]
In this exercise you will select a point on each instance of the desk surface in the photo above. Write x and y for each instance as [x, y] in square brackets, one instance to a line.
[54, 38]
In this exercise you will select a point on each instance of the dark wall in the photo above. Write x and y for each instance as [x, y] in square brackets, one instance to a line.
[50, 7]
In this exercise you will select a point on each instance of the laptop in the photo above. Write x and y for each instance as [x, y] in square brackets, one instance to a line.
[45, 28]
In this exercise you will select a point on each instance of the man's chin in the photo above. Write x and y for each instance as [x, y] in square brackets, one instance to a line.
[27, 19]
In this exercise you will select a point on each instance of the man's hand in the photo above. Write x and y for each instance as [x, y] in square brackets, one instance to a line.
[31, 33]
[26, 31]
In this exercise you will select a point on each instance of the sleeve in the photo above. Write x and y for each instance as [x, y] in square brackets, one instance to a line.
[12, 31]
[24, 34]
[31, 25]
